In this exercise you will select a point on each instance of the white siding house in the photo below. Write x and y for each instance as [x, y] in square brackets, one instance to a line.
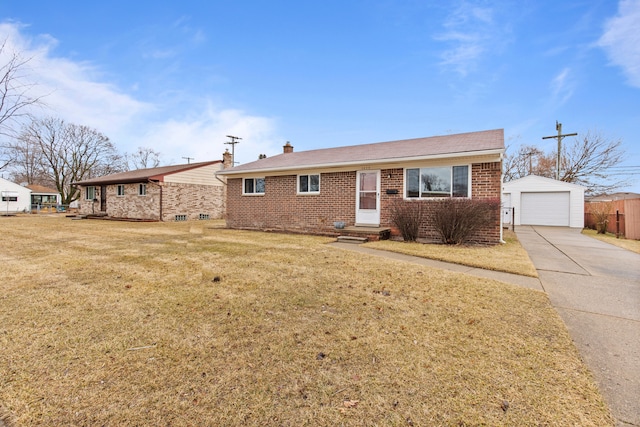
[542, 201]
[13, 198]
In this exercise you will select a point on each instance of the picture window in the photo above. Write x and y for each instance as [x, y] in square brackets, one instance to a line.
[437, 182]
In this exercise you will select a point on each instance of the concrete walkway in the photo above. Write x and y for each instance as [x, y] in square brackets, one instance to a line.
[595, 287]
[528, 282]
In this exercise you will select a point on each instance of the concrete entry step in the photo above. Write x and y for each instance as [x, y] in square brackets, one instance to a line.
[352, 239]
[370, 233]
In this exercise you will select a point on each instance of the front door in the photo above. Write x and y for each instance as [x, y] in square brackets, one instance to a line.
[103, 198]
[368, 198]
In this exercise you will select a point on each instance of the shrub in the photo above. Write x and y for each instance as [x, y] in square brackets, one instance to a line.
[456, 220]
[407, 215]
[600, 213]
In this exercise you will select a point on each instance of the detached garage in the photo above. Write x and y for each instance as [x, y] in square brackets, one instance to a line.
[543, 201]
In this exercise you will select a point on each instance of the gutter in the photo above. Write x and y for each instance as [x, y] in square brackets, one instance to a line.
[218, 178]
[365, 162]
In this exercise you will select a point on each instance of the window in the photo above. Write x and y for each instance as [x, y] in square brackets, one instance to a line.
[9, 198]
[444, 181]
[90, 193]
[253, 186]
[203, 216]
[120, 190]
[309, 184]
[179, 217]
[142, 190]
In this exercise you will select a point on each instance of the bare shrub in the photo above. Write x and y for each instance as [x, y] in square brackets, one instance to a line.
[456, 220]
[600, 213]
[407, 215]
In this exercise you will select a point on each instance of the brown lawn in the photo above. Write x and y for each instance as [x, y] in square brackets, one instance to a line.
[115, 323]
[628, 244]
[508, 257]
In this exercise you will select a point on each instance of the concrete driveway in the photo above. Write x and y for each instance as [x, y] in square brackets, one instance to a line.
[595, 287]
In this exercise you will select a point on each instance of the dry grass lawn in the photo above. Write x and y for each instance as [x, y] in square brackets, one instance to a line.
[115, 323]
[630, 245]
[509, 257]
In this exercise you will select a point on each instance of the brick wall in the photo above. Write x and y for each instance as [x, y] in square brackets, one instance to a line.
[192, 200]
[177, 199]
[281, 209]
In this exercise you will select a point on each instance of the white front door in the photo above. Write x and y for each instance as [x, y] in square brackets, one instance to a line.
[368, 198]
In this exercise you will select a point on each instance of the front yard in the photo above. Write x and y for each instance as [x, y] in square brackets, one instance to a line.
[115, 323]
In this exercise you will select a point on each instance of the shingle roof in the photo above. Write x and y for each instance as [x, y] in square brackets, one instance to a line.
[381, 152]
[143, 175]
[35, 188]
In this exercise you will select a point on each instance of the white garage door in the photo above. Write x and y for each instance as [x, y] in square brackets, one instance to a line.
[545, 208]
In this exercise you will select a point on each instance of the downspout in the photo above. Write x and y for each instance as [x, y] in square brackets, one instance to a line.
[501, 182]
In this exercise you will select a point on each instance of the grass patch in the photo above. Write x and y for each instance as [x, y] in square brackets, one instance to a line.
[509, 257]
[630, 245]
[113, 323]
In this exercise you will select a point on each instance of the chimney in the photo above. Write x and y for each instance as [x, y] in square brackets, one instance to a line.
[288, 148]
[227, 161]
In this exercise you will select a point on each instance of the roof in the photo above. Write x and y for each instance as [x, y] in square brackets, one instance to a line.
[434, 147]
[144, 175]
[539, 180]
[614, 196]
[6, 185]
[41, 189]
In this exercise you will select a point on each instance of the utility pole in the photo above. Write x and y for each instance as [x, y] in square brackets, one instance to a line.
[559, 137]
[529, 155]
[188, 159]
[234, 140]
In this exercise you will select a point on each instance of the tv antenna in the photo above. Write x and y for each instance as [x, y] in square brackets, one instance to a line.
[234, 140]
[188, 159]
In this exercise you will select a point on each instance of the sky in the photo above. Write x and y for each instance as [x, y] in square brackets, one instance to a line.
[178, 77]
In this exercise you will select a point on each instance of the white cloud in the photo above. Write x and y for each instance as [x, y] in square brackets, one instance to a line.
[562, 87]
[78, 92]
[203, 137]
[471, 32]
[621, 40]
[70, 90]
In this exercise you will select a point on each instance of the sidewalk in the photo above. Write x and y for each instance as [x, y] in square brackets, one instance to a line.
[524, 281]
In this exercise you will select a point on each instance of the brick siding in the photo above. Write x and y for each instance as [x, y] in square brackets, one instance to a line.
[280, 208]
[192, 200]
[177, 199]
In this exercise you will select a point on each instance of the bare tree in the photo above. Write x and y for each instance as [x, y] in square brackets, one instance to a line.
[587, 161]
[27, 163]
[16, 99]
[70, 153]
[143, 158]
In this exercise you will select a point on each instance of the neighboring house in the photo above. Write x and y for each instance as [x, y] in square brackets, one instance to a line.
[166, 193]
[308, 191]
[13, 197]
[543, 201]
[43, 197]
[624, 213]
